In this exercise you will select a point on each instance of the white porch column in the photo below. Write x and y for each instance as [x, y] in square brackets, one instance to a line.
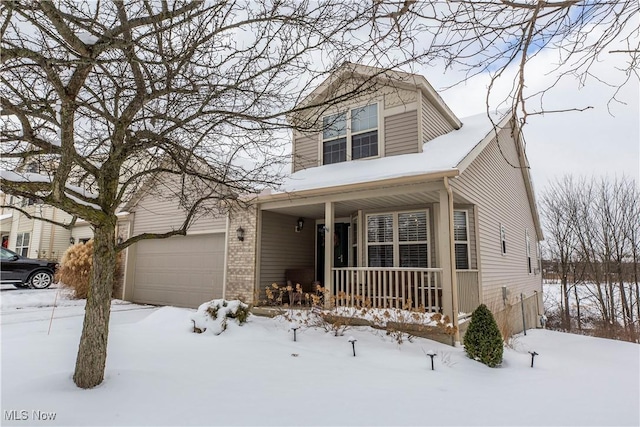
[329, 214]
[444, 252]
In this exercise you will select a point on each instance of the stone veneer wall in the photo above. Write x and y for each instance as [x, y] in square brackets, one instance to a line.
[241, 256]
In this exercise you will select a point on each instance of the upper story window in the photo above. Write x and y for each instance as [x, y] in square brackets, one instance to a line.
[356, 141]
[503, 240]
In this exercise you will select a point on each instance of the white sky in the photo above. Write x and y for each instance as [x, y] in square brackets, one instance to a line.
[601, 141]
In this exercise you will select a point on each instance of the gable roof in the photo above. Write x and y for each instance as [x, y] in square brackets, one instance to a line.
[447, 155]
[384, 77]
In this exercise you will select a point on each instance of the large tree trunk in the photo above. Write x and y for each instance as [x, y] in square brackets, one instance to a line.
[92, 353]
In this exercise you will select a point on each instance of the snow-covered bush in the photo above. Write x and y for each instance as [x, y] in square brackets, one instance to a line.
[75, 269]
[212, 316]
[483, 341]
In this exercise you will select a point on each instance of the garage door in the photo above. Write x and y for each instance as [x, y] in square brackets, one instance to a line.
[183, 271]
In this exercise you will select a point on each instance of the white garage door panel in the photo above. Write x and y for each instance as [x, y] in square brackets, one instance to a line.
[180, 271]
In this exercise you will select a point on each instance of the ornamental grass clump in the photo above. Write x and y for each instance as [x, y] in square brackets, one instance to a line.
[75, 270]
[483, 341]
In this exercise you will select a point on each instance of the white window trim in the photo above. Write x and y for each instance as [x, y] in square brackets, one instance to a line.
[467, 242]
[22, 246]
[349, 135]
[396, 236]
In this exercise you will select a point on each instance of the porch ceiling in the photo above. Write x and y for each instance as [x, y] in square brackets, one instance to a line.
[347, 207]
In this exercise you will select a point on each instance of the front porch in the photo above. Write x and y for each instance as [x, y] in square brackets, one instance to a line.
[403, 288]
[395, 246]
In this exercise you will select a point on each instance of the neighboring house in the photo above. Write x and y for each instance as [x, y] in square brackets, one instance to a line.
[31, 237]
[34, 238]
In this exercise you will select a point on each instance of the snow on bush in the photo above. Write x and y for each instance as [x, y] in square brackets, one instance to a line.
[212, 316]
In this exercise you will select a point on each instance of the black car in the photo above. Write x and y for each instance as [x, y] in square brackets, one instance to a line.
[23, 272]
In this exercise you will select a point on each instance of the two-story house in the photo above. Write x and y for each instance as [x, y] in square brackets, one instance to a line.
[397, 200]
[392, 198]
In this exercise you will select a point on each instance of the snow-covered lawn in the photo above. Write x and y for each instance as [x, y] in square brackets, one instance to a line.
[160, 373]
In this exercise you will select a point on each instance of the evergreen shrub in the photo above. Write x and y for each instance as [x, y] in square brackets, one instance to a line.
[483, 341]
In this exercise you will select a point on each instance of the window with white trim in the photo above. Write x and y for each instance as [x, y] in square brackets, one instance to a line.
[461, 239]
[359, 140]
[528, 249]
[503, 240]
[22, 244]
[398, 239]
[380, 241]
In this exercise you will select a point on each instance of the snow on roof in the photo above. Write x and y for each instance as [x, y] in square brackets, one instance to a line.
[5, 216]
[438, 155]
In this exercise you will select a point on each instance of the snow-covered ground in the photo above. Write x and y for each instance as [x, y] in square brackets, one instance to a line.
[160, 373]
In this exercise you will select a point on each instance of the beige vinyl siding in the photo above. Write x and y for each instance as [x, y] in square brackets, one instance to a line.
[45, 239]
[433, 122]
[306, 152]
[281, 248]
[83, 231]
[498, 189]
[60, 239]
[25, 224]
[5, 225]
[401, 133]
[433, 246]
[155, 214]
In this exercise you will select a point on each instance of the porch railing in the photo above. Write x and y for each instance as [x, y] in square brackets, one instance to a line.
[389, 287]
[468, 291]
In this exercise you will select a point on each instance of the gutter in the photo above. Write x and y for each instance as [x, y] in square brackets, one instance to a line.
[365, 185]
[452, 255]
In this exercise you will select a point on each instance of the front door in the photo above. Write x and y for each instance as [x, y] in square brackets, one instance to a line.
[340, 248]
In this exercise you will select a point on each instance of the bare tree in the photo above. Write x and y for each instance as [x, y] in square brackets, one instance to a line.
[102, 97]
[503, 37]
[598, 221]
[558, 206]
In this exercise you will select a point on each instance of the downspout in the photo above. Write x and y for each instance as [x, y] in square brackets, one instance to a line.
[53, 236]
[452, 255]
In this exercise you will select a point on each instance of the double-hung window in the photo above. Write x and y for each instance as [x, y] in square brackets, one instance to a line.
[22, 244]
[398, 239]
[412, 239]
[380, 240]
[356, 141]
[461, 239]
[334, 138]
